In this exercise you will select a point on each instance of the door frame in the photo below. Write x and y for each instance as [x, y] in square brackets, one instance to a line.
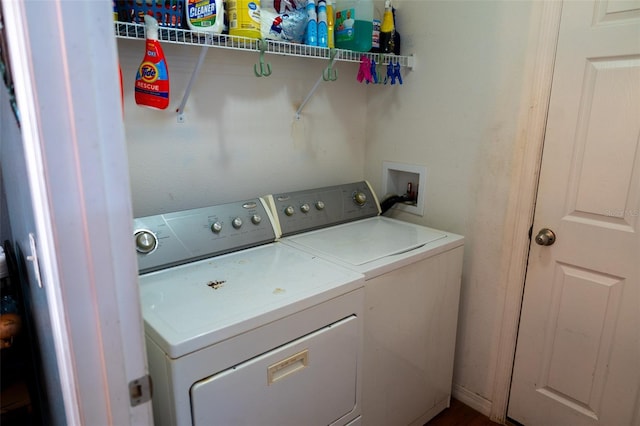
[522, 200]
[81, 254]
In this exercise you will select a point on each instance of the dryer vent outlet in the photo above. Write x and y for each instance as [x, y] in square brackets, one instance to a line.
[405, 179]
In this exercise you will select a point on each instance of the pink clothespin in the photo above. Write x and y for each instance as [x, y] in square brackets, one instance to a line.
[364, 73]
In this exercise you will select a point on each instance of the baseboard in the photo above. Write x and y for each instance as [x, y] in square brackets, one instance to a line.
[471, 399]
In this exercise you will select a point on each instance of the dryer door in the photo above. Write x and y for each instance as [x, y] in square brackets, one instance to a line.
[310, 381]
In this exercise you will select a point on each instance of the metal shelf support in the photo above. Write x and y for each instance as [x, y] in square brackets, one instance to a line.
[194, 75]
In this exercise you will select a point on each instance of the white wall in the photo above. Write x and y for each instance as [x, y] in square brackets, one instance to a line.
[240, 138]
[458, 114]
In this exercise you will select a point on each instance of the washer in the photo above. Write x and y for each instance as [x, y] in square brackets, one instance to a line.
[412, 288]
[241, 330]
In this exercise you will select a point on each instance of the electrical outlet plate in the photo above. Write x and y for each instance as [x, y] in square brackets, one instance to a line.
[395, 179]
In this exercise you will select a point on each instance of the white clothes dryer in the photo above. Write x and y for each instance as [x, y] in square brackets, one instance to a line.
[241, 330]
[412, 288]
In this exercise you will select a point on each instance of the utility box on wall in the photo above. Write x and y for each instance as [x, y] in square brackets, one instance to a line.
[400, 178]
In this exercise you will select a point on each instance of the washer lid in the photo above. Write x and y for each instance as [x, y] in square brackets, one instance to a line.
[195, 305]
[365, 241]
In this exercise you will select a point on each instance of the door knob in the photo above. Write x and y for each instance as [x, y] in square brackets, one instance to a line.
[545, 237]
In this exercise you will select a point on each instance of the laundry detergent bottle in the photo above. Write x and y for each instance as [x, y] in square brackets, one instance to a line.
[244, 18]
[152, 79]
[353, 25]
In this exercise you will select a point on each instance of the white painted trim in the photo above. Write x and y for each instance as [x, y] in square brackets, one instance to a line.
[20, 52]
[521, 207]
[471, 399]
[66, 78]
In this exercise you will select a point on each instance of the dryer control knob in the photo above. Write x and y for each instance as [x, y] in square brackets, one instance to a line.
[256, 219]
[146, 241]
[216, 227]
[360, 198]
[289, 211]
[320, 205]
[237, 223]
[305, 208]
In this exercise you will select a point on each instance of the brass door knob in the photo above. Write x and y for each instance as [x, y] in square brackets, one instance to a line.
[545, 237]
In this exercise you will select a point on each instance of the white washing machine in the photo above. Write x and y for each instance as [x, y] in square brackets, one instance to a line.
[412, 288]
[241, 330]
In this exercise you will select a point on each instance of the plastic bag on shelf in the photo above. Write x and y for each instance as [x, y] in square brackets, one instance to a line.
[288, 26]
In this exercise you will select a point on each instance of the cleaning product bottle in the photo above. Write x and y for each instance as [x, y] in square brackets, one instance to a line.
[396, 34]
[387, 29]
[375, 38]
[330, 25]
[354, 25]
[311, 33]
[323, 30]
[152, 79]
[205, 15]
[244, 18]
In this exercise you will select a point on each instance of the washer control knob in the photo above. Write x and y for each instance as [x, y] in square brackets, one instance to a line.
[305, 208]
[146, 242]
[256, 219]
[216, 227]
[360, 198]
[237, 223]
[319, 205]
[289, 211]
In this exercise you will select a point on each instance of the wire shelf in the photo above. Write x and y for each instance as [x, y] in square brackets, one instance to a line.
[128, 30]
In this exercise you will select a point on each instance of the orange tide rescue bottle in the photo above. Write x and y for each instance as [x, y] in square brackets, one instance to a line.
[152, 79]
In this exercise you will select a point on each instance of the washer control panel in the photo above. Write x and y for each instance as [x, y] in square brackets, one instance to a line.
[305, 210]
[174, 238]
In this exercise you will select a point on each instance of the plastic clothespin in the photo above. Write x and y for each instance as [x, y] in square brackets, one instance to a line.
[374, 72]
[364, 73]
[390, 77]
[396, 73]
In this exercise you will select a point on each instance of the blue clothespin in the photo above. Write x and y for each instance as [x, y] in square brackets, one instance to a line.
[396, 73]
[374, 72]
[390, 74]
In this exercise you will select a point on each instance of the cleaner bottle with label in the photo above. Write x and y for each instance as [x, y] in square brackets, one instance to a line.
[152, 79]
[244, 18]
[311, 33]
[323, 30]
[330, 25]
[354, 25]
[387, 29]
[206, 15]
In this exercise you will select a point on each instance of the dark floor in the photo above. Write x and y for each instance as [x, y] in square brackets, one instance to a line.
[459, 414]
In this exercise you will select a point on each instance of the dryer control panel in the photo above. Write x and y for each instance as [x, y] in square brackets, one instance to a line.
[310, 209]
[171, 239]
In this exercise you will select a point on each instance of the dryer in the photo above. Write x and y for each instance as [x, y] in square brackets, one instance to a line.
[412, 288]
[240, 330]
